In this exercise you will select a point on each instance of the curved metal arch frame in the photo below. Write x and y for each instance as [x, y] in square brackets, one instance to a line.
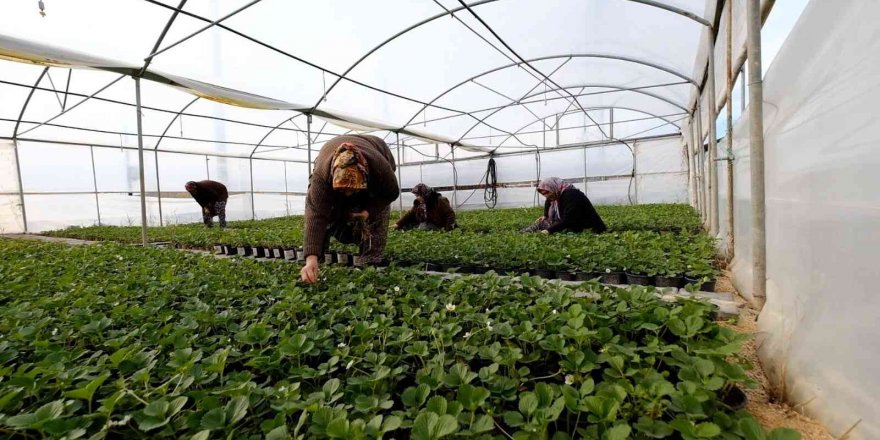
[452, 11]
[175, 118]
[551, 57]
[567, 112]
[266, 136]
[582, 86]
[28, 101]
[617, 89]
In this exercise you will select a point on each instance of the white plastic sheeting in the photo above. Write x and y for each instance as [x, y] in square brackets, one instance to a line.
[819, 328]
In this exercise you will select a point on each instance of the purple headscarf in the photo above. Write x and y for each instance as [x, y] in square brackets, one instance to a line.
[555, 186]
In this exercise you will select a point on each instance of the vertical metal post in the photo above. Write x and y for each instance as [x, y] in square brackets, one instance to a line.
[689, 153]
[742, 85]
[701, 160]
[611, 123]
[454, 177]
[286, 195]
[20, 185]
[585, 169]
[95, 184]
[557, 129]
[207, 168]
[158, 185]
[756, 147]
[636, 169]
[140, 131]
[437, 151]
[729, 154]
[713, 138]
[253, 208]
[399, 172]
[309, 141]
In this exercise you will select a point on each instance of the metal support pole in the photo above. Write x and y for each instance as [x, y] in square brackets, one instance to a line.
[207, 168]
[689, 153]
[140, 129]
[95, 185]
[729, 154]
[309, 141]
[756, 147]
[701, 161]
[636, 170]
[253, 207]
[557, 130]
[454, 177]
[20, 185]
[585, 170]
[742, 85]
[158, 185]
[611, 123]
[399, 172]
[286, 195]
[713, 139]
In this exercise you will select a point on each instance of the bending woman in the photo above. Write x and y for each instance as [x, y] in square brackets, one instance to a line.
[566, 209]
[349, 197]
[431, 211]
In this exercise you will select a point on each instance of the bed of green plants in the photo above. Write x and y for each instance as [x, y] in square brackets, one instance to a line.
[115, 341]
[653, 240]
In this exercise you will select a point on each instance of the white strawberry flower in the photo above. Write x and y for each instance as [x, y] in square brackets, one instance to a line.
[396, 289]
[554, 311]
[341, 345]
[450, 307]
[569, 379]
[467, 335]
[607, 270]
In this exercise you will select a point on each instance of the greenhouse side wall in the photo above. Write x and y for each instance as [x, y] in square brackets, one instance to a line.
[819, 327]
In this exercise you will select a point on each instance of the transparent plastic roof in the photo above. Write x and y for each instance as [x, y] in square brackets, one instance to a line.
[487, 75]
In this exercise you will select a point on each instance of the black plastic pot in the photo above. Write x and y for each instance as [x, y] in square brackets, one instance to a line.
[480, 270]
[329, 258]
[433, 267]
[446, 267]
[343, 258]
[544, 273]
[669, 281]
[612, 278]
[289, 254]
[734, 398]
[708, 286]
[269, 252]
[586, 276]
[278, 252]
[466, 269]
[260, 252]
[230, 250]
[245, 251]
[639, 279]
[218, 249]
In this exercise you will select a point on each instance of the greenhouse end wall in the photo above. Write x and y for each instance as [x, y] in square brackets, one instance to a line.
[818, 330]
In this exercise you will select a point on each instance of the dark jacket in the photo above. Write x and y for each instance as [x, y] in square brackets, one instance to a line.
[439, 210]
[325, 206]
[209, 192]
[576, 213]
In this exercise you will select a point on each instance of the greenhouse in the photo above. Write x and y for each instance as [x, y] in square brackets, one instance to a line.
[713, 280]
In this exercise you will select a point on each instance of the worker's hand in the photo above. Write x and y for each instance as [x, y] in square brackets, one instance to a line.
[545, 232]
[310, 272]
[362, 215]
[540, 219]
[394, 226]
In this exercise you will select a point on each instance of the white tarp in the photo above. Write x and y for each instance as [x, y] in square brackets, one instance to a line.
[818, 329]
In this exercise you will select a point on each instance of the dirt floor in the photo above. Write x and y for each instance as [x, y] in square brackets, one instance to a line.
[770, 414]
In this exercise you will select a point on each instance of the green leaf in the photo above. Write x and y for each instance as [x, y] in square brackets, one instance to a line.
[751, 429]
[214, 419]
[618, 432]
[149, 423]
[279, 433]
[784, 434]
[236, 409]
[415, 397]
[157, 408]
[201, 435]
[437, 405]
[707, 430]
[391, 423]
[88, 391]
[472, 397]
[514, 419]
[528, 403]
[446, 425]
[483, 423]
[338, 428]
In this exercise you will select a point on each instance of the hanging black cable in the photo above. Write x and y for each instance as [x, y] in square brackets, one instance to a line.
[490, 194]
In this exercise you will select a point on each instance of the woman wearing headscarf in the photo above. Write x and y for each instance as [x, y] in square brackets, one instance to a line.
[430, 211]
[566, 209]
[350, 192]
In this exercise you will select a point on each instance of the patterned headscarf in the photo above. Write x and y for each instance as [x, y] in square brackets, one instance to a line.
[349, 168]
[424, 191]
[555, 186]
